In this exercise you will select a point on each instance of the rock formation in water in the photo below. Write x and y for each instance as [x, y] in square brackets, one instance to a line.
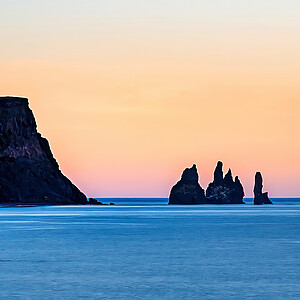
[187, 190]
[28, 171]
[93, 201]
[259, 196]
[224, 190]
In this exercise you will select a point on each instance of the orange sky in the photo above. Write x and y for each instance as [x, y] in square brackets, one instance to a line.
[129, 100]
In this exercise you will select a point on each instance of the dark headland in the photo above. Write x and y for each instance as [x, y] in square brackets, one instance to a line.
[28, 171]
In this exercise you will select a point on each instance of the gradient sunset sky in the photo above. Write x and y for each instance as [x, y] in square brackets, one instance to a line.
[131, 92]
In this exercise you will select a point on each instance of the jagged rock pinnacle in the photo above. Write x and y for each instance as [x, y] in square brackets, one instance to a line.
[224, 190]
[259, 196]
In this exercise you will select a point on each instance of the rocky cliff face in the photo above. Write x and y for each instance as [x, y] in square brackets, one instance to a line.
[187, 190]
[259, 196]
[28, 171]
[224, 190]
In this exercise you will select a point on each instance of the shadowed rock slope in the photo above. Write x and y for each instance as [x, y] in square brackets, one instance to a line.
[187, 190]
[28, 171]
[259, 196]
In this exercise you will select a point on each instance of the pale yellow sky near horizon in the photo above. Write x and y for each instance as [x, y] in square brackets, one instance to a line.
[130, 95]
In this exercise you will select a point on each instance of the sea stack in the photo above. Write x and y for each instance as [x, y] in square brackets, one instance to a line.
[224, 190]
[259, 196]
[28, 171]
[188, 190]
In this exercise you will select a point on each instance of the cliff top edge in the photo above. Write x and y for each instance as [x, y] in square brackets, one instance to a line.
[13, 100]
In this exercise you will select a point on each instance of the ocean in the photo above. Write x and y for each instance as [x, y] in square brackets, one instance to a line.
[145, 249]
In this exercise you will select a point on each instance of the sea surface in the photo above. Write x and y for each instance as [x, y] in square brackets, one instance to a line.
[145, 249]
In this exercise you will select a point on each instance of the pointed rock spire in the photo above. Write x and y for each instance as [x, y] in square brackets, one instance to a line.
[259, 196]
[218, 174]
[190, 174]
[240, 194]
[228, 180]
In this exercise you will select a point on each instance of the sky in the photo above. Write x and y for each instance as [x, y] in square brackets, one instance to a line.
[131, 92]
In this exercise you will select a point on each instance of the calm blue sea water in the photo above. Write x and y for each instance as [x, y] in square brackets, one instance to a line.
[144, 249]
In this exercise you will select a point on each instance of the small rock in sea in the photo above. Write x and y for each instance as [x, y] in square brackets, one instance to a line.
[93, 201]
[111, 203]
[259, 196]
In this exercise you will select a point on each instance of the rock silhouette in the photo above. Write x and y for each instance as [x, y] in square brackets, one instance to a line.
[259, 196]
[28, 171]
[224, 190]
[93, 201]
[188, 190]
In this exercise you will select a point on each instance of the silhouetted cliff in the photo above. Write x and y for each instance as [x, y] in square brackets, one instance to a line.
[28, 171]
